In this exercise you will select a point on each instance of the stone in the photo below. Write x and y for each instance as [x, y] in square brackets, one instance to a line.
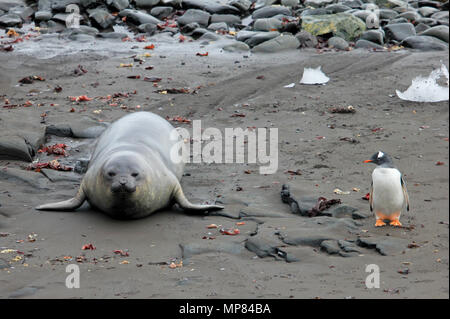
[267, 24]
[398, 20]
[190, 27]
[389, 3]
[218, 26]
[81, 37]
[338, 43]
[306, 39]
[268, 12]
[161, 12]
[242, 5]
[112, 35]
[330, 246]
[317, 3]
[441, 15]
[440, 32]
[425, 43]
[399, 31]
[427, 11]
[354, 4]
[263, 3]
[194, 15]
[100, 17]
[343, 25]
[364, 44]
[90, 4]
[229, 19]
[194, 4]
[215, 8]
[290, 3]
[58, 176]
[375, 36]
[284, 41]
[337, 7]
[261, 247]
[347, 246]
[6, 5]
[387, 14]
[421, 27]
[43, 15]
[261, 37]
[409, 15]
[428, 21]
[85, 30]
[146, 3]
[204, 35]
[316, 12]
[55, 27]
[119, 4]
[386, 246]
[236, 47]
[81, 166]
[61, 5]
[31, 178]
[138, 17]
[362, 14]
[44, 5]
[173, 3]
[10, 20]
[244, 35]
[84, 127]
[23, 12]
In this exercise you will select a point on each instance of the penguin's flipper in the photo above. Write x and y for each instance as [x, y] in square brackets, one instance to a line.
[405, 192]
[371, 197]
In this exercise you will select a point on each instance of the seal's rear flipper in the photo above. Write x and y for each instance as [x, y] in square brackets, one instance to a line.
[184, 203]
[69, 204]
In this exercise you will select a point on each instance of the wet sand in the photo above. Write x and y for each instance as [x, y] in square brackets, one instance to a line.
[365, 80]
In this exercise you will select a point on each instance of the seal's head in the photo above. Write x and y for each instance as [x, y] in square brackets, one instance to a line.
[123, 174]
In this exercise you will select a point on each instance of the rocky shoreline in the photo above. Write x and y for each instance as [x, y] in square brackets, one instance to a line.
[259, 26]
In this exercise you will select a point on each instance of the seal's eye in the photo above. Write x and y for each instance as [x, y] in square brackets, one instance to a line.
[111, 174]
[135, 174]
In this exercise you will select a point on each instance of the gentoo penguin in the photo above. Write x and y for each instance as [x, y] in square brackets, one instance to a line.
[388, 194]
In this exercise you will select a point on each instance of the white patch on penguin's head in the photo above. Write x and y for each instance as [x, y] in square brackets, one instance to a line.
[380, 154]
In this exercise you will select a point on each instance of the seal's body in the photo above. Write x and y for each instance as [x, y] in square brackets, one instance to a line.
[131, 173]
[388, 194]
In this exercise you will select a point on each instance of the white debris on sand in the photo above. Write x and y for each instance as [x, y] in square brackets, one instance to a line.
[426, 89]
[314, 76]
[289, 85]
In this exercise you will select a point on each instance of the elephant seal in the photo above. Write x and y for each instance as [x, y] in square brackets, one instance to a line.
[131, 173]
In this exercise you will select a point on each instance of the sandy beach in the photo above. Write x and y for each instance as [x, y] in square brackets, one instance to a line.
[277, 254]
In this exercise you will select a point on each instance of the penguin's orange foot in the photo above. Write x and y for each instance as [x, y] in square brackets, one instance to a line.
[395, 223]
[379, 223]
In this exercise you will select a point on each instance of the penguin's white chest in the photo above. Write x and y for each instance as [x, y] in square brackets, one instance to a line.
[388, 197]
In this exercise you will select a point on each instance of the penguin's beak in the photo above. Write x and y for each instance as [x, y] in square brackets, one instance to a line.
[368, 161]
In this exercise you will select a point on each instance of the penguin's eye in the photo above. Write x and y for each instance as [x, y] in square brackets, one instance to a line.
[135, 174]
[111, 174]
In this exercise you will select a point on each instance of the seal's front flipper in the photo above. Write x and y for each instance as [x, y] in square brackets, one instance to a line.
[184, 203]
[69, 204]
